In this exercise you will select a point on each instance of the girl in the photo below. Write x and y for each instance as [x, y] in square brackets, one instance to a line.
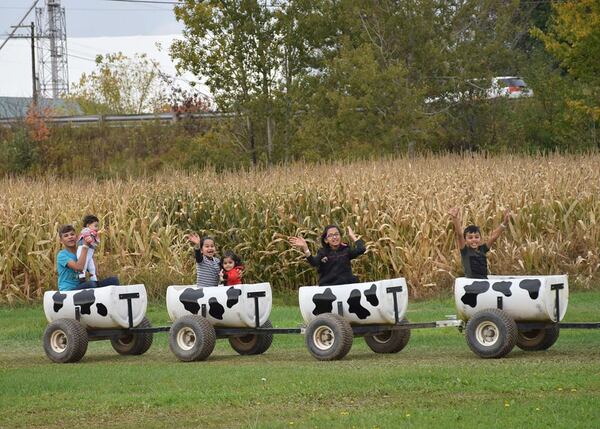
[333, 259]
[231, 269]
[207, 263]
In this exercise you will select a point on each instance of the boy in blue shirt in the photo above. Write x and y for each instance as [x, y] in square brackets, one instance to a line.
[68, 265]
[472, 251]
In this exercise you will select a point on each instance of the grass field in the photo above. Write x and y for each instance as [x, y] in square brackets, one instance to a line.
[435, 382]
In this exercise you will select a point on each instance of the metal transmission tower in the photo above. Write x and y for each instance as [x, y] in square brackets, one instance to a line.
[53, 67]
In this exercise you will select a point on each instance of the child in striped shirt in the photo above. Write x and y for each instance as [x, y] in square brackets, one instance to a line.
[207, 263]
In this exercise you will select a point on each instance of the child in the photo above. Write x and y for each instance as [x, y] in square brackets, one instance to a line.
[90, 229]
[207, 263]
[333, 259]
[68, 264]
[472, 252]
[231, 269]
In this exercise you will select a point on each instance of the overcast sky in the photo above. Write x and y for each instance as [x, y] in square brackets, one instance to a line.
[93, 27]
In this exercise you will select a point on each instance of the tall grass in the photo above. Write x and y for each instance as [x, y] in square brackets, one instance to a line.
[398, 206]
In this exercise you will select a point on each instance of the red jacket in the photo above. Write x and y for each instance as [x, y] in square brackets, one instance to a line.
[233, 276]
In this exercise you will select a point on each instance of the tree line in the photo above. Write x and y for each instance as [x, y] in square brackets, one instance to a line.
[354, 79]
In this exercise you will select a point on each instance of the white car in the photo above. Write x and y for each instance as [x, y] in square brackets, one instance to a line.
[509, 87]
[500, 87]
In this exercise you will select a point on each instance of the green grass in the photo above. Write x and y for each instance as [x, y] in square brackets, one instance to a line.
[435, 382]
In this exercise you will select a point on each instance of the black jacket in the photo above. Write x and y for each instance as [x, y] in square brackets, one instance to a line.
[334, 265]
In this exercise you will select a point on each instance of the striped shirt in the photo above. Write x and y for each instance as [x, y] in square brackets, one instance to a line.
[207, 270]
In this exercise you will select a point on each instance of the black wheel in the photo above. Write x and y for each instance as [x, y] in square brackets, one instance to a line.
[135, 343]
[329, 337]
[65, 340]
[491, 333]
[253, 344]
[391, 341]
[538, 339]
[192, 338]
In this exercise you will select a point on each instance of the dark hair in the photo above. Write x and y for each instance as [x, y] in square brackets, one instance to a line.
[203, 239]
[64, 229]
[471, 229]
[324, 235]
[89, 219]
[237, 261]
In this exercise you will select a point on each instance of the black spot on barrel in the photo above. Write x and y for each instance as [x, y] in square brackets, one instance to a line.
[532, 286]
[233, 296]
[189, 298]
[355, 307]
[215, 309]
[102, 311]
[503, 287]
[472, 290]
[371, 295]
[85, 299]
[323, 302]
[59, 299]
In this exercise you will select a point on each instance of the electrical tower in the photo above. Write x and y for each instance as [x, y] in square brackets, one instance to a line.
[53, 69]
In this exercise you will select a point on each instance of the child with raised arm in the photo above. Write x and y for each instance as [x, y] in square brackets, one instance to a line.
[207, 263]
[472, 251]
[333, 259]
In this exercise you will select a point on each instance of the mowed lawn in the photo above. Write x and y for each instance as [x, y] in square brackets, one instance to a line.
[435, 382]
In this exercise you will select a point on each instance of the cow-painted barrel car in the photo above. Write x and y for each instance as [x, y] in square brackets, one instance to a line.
[503, 311]
[115, 313]
[239, 313]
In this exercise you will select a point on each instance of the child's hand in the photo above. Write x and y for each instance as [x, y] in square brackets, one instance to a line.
[299, 242]
[351, 234]
[193, 238]
[221, 276]
[453, 212]
[89, 240]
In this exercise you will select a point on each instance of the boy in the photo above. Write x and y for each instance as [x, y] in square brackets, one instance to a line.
[69, 265]
[472, 251]
[90, 229]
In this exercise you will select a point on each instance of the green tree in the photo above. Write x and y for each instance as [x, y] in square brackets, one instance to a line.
[573, 38]
[121, 85]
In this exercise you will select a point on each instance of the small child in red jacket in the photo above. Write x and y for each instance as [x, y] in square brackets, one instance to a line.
[231, 269]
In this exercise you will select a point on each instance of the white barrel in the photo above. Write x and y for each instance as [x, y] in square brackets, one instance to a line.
[225, 306]
[98, 307]
[359, 303]
[524, 298]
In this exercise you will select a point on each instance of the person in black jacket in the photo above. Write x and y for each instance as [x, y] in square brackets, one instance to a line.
[333, 259]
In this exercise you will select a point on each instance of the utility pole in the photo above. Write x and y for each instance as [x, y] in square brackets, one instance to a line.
[33, 75]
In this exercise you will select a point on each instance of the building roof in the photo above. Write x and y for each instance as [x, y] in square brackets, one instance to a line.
[16, 107]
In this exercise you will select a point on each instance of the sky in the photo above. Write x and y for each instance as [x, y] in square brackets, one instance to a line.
[93, 27]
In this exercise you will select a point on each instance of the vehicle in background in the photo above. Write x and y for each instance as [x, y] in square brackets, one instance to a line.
[509, 87]
[484, 89]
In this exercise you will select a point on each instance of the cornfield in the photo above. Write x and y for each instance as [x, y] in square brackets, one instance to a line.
[398, 206]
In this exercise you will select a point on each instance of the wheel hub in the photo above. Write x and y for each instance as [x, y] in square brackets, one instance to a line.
[186, 338]
[323, 338]
[58, 341]
[487, 333]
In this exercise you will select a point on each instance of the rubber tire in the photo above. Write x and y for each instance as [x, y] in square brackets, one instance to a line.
[389, 341]
[76, 340]
[253, 344]
[538, 339]
[342, 337]
[506, 333]
[201, 345]
[134, 344]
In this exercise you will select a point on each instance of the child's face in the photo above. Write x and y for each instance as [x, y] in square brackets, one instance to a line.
[68, 239]
[333, 237]
[228, 264]
[208, 248]
[94, 226]
[473, 239]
